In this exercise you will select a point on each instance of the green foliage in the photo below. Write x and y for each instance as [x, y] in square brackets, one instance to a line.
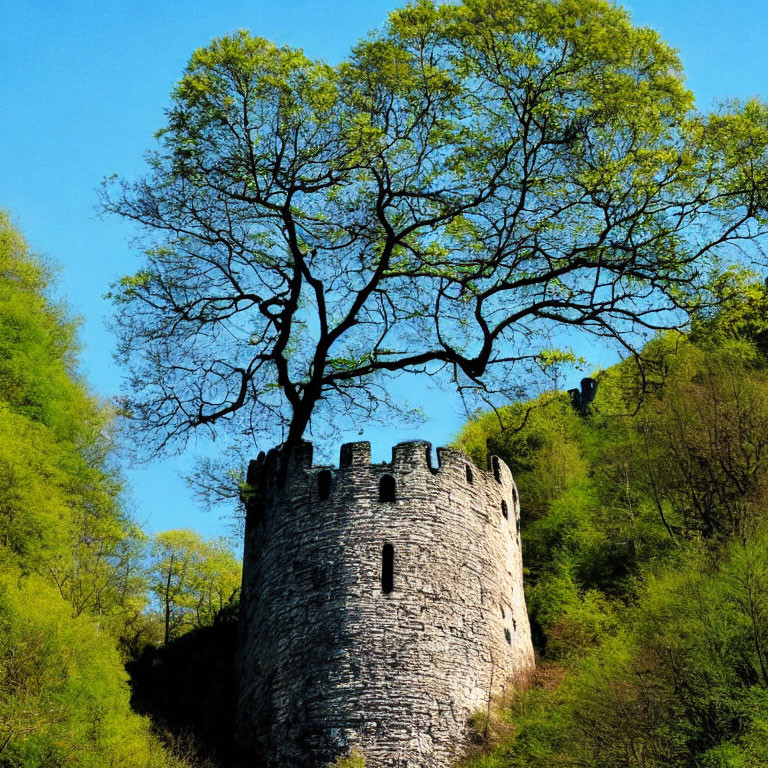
[59, 496]
[539, 441]
[36, 341]
[64, 699]
[192, 579]
[71, 586]
[681, 684]
[354, 760]
[647, 558]
[741, 299]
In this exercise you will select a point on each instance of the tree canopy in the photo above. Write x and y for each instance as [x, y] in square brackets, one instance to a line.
[472, 178]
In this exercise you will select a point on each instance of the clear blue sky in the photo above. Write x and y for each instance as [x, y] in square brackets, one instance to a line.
[83, 86]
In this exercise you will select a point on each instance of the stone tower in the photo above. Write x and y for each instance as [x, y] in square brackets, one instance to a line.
[382, 605]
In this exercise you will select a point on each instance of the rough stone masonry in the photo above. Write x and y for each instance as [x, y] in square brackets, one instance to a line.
[382, 606]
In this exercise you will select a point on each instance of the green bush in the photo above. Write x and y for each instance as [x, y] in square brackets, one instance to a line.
[70, 576]
[353, 760]
[64, 698]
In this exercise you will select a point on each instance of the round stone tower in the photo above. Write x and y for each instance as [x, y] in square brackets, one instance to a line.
[382, 605]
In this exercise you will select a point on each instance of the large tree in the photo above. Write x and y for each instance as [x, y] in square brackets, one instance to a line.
[473, 177]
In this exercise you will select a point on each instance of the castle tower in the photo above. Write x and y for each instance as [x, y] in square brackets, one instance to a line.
[382, 606]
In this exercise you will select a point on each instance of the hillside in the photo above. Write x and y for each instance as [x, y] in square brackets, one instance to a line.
[646, 554]
[75, 571]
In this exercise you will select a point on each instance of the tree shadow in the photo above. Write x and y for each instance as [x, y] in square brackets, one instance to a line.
[188, 689]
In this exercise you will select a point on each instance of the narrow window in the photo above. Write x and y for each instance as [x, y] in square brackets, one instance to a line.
[514, 494]
[517, 525]
[469, 474]
[507, 635]
[324, 479]
[496, 470]
[504, 510]
[387, 568]
[387, 488]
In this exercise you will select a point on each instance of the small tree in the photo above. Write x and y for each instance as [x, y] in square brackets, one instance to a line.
[191, 579]
[473, 178]
[215, 581]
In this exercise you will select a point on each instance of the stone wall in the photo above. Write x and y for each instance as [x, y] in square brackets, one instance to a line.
[328, 659]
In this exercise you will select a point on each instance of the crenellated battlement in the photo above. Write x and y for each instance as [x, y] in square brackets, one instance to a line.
[414, 455]
[382, 604]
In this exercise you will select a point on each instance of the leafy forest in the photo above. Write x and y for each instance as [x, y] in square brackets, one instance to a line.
[645, 542]
[83, 590]
[477, 180]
